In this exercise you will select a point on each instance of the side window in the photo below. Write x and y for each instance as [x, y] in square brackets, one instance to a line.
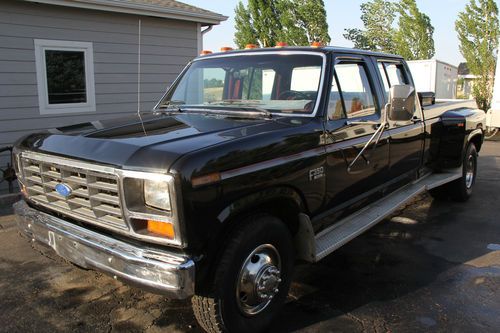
[268, 76]
[357, 93]
[335, 107]
[213, 84]
[384, 80]
[257, 83]
[395, 74]
[305, 78]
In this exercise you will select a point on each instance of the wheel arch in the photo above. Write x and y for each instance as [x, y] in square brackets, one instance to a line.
[283, 202]
[477, 138]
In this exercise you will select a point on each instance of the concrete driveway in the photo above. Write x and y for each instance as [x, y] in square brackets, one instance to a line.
[433, 267]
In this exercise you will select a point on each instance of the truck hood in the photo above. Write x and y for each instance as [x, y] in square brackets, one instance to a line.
[146, 142]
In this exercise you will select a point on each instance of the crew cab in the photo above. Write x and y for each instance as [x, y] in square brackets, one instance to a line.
[251, 161]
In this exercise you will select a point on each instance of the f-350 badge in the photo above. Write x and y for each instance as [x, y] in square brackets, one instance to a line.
[316, 173]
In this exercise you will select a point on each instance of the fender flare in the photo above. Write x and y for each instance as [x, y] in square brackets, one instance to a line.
[477, 132]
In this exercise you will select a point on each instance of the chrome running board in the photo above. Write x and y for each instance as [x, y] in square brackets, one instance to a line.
[347, 229]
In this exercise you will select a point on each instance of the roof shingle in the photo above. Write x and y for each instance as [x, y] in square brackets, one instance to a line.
[157, 8]
[173, 4]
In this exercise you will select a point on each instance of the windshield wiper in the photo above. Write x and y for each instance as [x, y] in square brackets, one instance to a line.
[242, 105]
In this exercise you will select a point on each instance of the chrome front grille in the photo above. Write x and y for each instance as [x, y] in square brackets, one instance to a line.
[94, 193]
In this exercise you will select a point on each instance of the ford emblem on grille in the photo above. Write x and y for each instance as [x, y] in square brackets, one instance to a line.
[64, 190]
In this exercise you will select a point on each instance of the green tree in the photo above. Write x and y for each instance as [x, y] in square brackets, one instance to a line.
[304, 22]
[414, 36]
[245, 32]
[258, 23]
[265, 22]
[378, 17]
[478, 32]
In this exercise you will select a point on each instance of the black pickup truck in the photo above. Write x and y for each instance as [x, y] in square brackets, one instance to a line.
[251, 161]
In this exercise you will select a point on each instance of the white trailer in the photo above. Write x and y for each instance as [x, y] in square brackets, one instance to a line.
[493, 114]
[435, 76]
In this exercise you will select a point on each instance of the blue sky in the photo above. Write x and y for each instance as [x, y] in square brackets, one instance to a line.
[344, 14]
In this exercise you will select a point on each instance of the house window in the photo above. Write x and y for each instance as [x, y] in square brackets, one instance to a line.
[65, 76]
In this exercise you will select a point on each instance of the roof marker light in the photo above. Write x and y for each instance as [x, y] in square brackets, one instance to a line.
[205, 52]
[281, 44]
[226, 48]
[251, 46]
[316, 44]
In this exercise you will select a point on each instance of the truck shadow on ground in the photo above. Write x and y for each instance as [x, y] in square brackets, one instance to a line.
[386, 264]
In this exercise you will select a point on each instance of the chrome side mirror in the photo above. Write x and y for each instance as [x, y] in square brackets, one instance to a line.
[401, 105]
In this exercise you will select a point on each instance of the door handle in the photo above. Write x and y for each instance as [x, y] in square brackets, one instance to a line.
[416, 120]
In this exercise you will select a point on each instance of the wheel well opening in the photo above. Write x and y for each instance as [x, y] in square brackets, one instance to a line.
[284, 209]
[477, 141]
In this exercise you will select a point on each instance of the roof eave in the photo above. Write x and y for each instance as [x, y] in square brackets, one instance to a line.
[139, 9]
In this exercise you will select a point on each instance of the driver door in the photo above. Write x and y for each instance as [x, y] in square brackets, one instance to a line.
[354, 178]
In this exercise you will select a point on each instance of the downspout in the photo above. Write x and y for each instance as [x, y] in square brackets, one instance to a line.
[201, 33]
[206, 30]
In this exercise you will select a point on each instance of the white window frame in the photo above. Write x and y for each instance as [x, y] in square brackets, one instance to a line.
[41, 45]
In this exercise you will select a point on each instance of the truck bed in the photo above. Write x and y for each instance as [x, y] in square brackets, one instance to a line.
[441, 106]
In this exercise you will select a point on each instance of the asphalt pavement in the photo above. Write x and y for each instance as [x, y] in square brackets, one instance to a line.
[434, 266]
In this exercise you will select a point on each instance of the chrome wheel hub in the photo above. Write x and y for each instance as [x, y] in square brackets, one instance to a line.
[259, 280]
[469, 172]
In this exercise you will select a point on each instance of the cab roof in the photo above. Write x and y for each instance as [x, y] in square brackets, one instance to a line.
[321, 49]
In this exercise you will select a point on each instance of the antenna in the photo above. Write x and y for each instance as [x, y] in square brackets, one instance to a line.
[139, 78]
[139, 70]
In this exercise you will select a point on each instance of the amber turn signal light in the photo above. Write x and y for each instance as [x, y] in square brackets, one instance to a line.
[161, 228]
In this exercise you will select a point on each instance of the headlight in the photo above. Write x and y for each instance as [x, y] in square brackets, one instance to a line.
[156, 194]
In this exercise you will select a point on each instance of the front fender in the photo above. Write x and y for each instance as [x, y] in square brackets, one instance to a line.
[263, 197]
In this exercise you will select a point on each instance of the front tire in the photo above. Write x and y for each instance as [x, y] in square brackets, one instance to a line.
[251, 280]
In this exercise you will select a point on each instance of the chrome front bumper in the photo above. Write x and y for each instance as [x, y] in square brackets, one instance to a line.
[154, 270]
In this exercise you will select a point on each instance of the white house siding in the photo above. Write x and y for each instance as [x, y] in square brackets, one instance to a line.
[166, 46]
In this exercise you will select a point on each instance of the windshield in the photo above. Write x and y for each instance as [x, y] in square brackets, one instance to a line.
[278, 83]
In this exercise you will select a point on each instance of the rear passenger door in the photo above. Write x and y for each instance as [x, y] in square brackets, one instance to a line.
[352, 117]
[406, 137]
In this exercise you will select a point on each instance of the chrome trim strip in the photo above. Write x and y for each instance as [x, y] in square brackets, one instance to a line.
[283, 52]
[159, 271]
[271, 163]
